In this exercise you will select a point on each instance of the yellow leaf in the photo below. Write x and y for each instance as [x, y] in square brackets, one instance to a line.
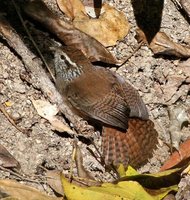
[158, 180]
[131, 171]
[8, 103]
[121, 170]
[129, 190]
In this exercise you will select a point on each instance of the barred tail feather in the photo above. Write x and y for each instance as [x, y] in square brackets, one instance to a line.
[132, 147]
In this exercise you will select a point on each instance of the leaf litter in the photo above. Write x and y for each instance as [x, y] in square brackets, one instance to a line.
[177, 82]
[111, 26]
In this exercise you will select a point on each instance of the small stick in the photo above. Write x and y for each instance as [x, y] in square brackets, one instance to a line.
[177, 4]
[33, 42]
[72, 159]
[132, 54]
[20, 176]
[40, 77]
[24, 131]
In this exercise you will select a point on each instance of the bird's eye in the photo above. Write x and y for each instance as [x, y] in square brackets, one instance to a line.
[62, 57]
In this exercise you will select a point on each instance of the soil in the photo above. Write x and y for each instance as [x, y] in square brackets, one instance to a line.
[146, 72]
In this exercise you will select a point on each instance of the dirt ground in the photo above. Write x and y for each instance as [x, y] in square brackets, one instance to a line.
[149, 74]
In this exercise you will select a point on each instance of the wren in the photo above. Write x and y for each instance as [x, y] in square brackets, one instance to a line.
[102, 95]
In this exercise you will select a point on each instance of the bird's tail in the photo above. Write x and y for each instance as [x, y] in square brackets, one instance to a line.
[132, 147]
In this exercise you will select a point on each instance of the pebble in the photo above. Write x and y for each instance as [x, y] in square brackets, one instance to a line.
[19, 88]
[16, 116]
[5, 75]
[28, 102]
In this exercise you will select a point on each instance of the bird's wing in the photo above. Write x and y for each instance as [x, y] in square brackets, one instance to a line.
[133, 99]
[109, 108]
[104, 96]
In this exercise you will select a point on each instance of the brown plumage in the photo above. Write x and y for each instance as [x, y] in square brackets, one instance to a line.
[100, 94]
[133, 146]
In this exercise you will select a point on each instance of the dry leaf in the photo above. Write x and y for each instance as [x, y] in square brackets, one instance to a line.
[9, 198]
[45, 109]
[175, 87]
[161, 44]
[7, 160]
[179, 157]
[71, 8]
[110, 27]
[173, 84]
[60, 126]
[68, 34]
[178, 116]
[82, 172]
[183, 68]
[48, 111]
[54, 181]
[140, 36]
[22, 192]
[93, 8]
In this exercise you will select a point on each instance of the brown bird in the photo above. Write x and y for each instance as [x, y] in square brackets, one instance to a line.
[102, 95]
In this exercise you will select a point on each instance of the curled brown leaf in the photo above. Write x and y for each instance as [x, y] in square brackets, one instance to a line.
[111, 26]
[161, 44]
[178, 159]
[68, 34]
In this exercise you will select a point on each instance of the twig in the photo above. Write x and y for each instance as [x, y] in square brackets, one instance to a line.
[33, 42]
[177, 4]
[39, 76]
[184, 7]
[132, 54]
[24, 131]
[87, 182]
[72, 161]
[20, 176]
